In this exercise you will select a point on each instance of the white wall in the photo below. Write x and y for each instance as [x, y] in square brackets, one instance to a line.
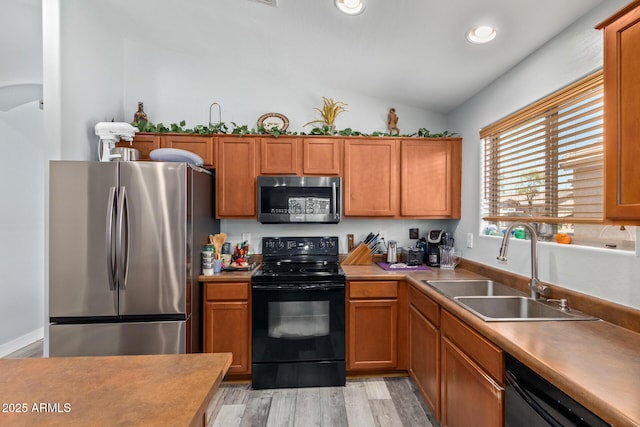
[91, 74]
[21, 181]
[245, 91]
[574, 53]
[397, 230]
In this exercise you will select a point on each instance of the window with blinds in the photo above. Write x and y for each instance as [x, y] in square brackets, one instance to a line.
[544, 163]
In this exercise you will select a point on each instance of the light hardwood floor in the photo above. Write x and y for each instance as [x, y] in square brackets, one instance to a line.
[380, 402]
[375, 402]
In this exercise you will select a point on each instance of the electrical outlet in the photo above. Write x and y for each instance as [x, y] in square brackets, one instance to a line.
[382, 235]
[414, 233]
[470, 240]
[246, 237]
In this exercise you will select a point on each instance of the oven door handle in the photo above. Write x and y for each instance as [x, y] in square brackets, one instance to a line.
[511, 380]
[299, 287]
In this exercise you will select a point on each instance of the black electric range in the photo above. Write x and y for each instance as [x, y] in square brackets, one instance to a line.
[298, 314]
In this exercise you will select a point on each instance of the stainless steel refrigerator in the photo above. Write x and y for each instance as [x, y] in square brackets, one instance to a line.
[124, 256]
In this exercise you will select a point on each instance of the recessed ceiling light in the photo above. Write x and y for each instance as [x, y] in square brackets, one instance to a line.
[481, 34]
[350, 7]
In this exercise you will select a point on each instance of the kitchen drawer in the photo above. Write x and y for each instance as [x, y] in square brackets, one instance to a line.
[226, 291]
[373, 289]
[483, 352]
[425, 306]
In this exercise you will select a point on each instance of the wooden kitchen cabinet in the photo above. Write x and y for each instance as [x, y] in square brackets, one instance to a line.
[145, 142]
[417, 178]
[321, 156]
[424, 347]
[227, 325]
[430, 177]
[236, 177]
[621, 118]
[370, 177]
[201, 145]
[279, 156]
[372, 325]
[300, 156]
[472, 377]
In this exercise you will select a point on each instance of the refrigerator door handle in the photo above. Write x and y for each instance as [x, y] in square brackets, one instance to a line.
[111, 261]
[122, 238]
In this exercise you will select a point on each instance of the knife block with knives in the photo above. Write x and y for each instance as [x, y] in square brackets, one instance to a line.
[359, 255]
[362, 254]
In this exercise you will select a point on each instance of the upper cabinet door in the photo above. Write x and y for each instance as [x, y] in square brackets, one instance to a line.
[321, 156]
[621, 119]
[279, 156]
[145, 142]
[198, 144]
[370, 177]
[236, 177]
[430, 178]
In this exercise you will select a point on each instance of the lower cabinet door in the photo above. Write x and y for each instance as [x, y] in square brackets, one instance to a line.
[470, 397]
[372, 334]
[226, 330]
[424, 358]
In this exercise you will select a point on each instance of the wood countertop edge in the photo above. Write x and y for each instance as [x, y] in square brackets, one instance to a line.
[575, 389]
[199, 416]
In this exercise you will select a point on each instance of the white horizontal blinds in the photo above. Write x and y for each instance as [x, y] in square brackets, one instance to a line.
[545, 162]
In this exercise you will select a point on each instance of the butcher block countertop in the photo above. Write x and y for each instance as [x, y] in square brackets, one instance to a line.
[158, 390]
[595, 362]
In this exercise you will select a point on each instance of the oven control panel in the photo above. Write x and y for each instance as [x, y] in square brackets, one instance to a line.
[294, 246]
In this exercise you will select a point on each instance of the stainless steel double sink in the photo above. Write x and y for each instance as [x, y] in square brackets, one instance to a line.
[496, 302]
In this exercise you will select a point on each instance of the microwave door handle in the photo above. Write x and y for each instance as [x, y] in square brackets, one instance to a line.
[334, 191]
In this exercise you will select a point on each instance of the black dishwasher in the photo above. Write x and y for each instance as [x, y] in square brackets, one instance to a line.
[532, 401]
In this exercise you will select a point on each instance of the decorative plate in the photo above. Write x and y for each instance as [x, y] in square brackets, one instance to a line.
[270, 120]
[245, 268]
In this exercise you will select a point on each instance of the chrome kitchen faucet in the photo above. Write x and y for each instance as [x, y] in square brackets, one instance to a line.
[535, 287]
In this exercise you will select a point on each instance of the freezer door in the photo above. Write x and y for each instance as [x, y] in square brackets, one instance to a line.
[111, 339]
[153, 249]
[81, 208]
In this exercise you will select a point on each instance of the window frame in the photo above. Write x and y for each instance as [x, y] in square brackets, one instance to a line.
[543, 110]
[524, 120]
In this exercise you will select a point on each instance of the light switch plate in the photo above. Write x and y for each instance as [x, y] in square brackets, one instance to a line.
[470, 240]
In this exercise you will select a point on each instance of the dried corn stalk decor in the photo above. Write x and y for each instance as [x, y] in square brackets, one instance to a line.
[329, 111]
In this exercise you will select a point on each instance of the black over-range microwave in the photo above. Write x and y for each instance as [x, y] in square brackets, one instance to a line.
[284, 199]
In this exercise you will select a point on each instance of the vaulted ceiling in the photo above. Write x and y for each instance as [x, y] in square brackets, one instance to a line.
[409, 51]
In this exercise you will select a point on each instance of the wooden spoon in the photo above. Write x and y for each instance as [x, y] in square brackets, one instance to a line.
[223, 238]
[217, 243]
[211, 239]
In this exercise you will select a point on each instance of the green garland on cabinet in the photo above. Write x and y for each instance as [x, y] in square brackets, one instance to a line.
[235, 129]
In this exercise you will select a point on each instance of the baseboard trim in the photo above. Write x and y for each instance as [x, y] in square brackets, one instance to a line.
[20, 342]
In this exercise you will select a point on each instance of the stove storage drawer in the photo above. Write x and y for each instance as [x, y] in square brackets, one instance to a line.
[373, 289]
[227, 291]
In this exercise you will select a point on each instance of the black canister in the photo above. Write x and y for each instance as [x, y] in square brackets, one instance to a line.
[422, 245]
[434, 240]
